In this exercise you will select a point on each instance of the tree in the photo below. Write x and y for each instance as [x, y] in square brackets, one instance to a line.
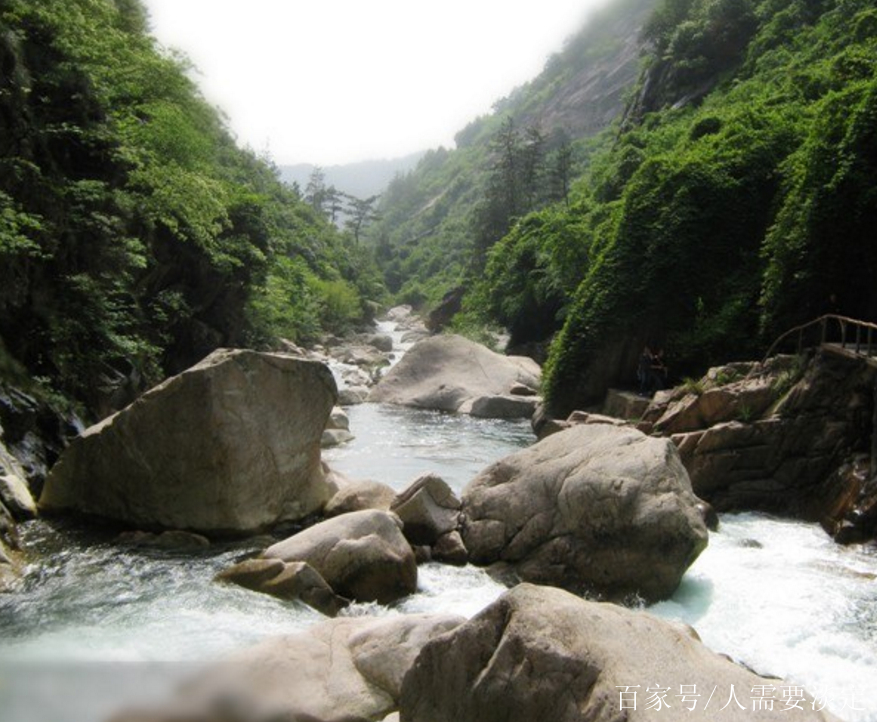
[315, 191]
[362, 213]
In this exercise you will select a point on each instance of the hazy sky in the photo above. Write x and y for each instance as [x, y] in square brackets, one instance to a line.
[336, 81]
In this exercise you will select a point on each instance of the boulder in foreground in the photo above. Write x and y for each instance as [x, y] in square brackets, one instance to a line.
[540, 653]
[452, 373]
[345, 670]
[231, 445]
[594, 508]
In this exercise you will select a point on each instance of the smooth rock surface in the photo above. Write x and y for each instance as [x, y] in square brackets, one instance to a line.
[450, 373]
[358, 496]
[231, 445]
[596, 507]
[344, 670]
[540, 653]
[428, 509]
[362, 555]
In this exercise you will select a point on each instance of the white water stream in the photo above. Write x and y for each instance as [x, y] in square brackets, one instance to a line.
[777, 595]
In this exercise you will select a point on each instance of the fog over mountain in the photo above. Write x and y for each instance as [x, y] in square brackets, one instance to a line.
[363, 179]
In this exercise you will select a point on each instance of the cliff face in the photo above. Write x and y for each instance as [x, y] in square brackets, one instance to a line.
[583, 89]
[792, 437]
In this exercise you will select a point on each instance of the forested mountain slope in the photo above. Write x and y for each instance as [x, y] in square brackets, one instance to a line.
[739, 198]
[438, 221]
[135, 237]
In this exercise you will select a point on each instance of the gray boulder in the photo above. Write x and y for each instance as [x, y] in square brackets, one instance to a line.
[380, 341]
[231, 445]
[296, 581]
[335, 437]
[358, 496]
[338, 419]
[14, 492]
[451, 373]
[362, 555]
[344, 670]
[540, 653]
[398, 313]
[595, 507]
[501, 406]
[428, 509]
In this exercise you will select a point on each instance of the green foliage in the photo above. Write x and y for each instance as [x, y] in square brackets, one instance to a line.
[439, 222]
[734, 220]
[135, 237]
[745, 413]
[338, 303]
[693, 385]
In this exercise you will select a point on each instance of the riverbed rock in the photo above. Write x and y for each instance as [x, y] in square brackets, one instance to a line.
[34, 433]
[428, 509]
[398, 313]
[380, 341]
[231, 445]
[353, 395]
[450, 549]
[540, 653]
[14, 492]
[624, 404]
[293, 581]
[451, 373]
[343, 670]
[784, 460]
[362, 555]
[450, 305]
[335, 437]
[360, 495]
[500, 406]
[599, 508]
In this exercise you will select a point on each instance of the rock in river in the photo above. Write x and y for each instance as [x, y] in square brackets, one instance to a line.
[539, 653]
[344, 670]
[601, 508]
[231, 445]
[452, 373]
[362, 555]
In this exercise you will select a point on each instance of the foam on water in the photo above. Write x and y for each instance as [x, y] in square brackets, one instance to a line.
[782, 597]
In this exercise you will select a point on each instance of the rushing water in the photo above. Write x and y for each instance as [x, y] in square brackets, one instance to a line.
[777, 595]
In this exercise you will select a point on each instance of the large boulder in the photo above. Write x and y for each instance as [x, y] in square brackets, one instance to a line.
[540, 653]
[344, 670]
[428, 508]
[362, 555]
[595, 507]
[452, 373]
[231, 445]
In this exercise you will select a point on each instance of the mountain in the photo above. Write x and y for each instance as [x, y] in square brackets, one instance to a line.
[135, 237]
[736, 201]
[362, 180]
[438, 220]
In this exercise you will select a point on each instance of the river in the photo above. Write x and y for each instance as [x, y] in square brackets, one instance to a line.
[778, 595]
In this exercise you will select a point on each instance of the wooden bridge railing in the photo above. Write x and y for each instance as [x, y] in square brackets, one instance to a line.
[851, 334]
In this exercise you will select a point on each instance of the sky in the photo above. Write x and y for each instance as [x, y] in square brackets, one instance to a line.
[340, 81]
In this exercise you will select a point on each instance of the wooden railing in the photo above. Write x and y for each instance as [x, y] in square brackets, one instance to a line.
[860, 337]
